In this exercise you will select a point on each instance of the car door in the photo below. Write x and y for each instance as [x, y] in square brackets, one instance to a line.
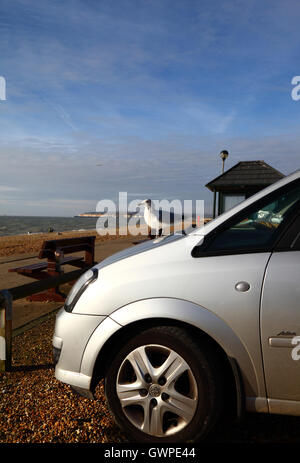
[235, 258]
[280, 323]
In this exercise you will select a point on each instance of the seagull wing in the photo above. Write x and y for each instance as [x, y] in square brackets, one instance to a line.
[169, 218]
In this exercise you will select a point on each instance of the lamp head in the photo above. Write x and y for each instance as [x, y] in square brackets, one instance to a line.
[224, 155]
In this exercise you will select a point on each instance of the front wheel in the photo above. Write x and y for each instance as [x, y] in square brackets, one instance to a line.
[162, 387]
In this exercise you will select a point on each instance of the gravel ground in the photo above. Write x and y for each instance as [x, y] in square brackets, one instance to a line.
[36, 408]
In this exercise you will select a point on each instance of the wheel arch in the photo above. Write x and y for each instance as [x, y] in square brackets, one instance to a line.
[206, 329]
[233, 379]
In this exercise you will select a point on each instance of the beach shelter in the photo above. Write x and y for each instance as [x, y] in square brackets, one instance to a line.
[239, 182]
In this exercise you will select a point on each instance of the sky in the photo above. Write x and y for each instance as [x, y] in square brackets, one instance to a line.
[140, 97]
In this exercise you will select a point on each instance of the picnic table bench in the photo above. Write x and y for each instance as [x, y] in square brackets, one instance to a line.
[54, 252]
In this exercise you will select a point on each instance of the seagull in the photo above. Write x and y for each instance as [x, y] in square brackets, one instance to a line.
[158, 219]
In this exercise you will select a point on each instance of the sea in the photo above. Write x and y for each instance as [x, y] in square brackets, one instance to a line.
[21, 225]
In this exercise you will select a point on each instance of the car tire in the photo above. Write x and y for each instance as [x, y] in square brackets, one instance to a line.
[163, 387]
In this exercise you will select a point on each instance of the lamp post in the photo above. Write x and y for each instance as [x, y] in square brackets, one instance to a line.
[224, 155]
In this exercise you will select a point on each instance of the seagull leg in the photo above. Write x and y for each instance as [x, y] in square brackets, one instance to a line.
[150, 236]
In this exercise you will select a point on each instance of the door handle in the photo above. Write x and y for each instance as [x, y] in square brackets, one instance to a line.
[242, 286]
[281, 342]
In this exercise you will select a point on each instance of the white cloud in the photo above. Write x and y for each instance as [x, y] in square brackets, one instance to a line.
[65, 177]
[5, 188]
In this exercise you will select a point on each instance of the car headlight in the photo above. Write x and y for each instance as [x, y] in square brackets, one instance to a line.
[79, 287]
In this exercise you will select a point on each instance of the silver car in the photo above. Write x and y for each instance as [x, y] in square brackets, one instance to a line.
[187, 330]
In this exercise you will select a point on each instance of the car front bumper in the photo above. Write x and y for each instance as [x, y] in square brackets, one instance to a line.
[71, 336]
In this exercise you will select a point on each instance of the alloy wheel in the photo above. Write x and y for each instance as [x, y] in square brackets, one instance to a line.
[157, 390]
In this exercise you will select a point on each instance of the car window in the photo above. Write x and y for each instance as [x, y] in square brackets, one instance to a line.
[259, 227]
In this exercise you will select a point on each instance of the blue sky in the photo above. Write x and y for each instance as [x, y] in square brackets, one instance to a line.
[151, 90]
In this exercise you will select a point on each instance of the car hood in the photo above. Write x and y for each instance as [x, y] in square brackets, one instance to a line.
[139, 248]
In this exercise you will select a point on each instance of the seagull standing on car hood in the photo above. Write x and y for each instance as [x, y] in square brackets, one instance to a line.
[154, 218]
[151, 217]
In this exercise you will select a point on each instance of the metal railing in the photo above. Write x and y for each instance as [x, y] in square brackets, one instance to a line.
[7, 296]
